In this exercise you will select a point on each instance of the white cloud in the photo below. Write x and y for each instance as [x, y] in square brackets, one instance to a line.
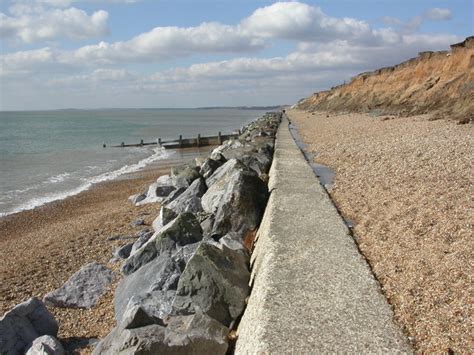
[38, 24]
[302, 22]
[438, 14]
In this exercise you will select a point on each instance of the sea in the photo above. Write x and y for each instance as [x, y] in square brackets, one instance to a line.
[48, 155]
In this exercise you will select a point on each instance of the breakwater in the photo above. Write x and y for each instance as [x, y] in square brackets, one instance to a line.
[186, 282]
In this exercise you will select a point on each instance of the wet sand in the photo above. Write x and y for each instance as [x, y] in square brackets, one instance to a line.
[407, 183]
[41, 248]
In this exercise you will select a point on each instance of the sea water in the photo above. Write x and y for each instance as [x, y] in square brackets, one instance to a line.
[49, 155]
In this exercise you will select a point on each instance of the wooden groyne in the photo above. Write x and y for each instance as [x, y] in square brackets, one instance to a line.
[184, 142]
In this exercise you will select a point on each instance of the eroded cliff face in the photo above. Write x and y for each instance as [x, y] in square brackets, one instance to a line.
[441, 83]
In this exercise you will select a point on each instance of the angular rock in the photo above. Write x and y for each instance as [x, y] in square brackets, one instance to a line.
[184, 229]
[218, 157]
[23, 324]
[189, 200]
[226, 170]
[238, 202]
[173, 196]
[166, 216]
[83, 289]
[123, 252]
[215, 281]
[143, 237]
[159, 190]
[156, 304]
[208, 167]
[138, 222]
[260, 163]
[193, 334]
[183, 176]
[132, 341]
[46, 345]
[137, 198]
[160, 274]
[136, 317]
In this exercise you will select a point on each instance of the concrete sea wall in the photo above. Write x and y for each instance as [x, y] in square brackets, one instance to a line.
[312, 290]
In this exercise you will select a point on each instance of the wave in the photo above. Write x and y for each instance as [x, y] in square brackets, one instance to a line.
[57, 178]
[158, 154]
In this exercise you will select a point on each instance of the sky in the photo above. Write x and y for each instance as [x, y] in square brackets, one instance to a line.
[57, 54]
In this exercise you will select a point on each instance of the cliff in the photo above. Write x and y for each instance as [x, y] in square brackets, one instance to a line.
[440, 83]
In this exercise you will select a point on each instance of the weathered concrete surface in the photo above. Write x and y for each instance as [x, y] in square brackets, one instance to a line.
[313, 292]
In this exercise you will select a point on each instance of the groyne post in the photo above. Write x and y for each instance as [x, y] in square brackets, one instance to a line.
[159, 141]
[141, 141]
[123, 144]
[180, 140]
[219, 138]
[198, 140]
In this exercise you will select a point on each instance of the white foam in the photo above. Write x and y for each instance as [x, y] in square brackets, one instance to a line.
[159, 154]
[58, 178]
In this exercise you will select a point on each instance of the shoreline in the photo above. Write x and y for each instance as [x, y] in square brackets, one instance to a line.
[42, 247]
[403, 182]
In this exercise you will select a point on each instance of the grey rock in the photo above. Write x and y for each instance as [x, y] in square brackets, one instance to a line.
[215, 281]
[136, 198]
[208, 167]
[23, 324]
[183, 176]
[143, 237]
[156, 304]
[258, 162]
[83, 289]
[123, 252]
[159, 190]
[226, 170]
[160, 274]
[207, 225]
[218, 157]
[173, 196]
[184, 229]
[189, 200]
[192, 334]
[166, 216]
[184, 254]
[136, 317]
[238, 202]
[233, 241]
[132, 341]
[46, 345]
[138, 222]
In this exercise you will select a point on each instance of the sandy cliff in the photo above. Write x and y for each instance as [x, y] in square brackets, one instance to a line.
[441, 83]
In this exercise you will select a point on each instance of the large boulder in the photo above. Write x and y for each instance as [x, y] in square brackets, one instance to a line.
[137, 198]
[184, 229]
[189, 200]
[183, 176]
[83, 289]
[46, 345]
[216, 282]
[166, 216]
[160, 274]
[192, 334]
[152, 287]
[237, 201]
[225, 171]
[23, 324]
[208, 167]
[258, 162]
[159, 190]
[174, 195]
[143, 237]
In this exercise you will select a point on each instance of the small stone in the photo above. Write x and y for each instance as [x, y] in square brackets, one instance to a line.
[46, 345]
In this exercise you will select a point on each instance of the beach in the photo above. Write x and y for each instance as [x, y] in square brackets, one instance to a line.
[407, 185]
[43, 247]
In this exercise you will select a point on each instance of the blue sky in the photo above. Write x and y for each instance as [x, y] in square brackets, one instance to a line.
[183, 53]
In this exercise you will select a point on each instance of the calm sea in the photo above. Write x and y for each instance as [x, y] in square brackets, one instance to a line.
[48, 155]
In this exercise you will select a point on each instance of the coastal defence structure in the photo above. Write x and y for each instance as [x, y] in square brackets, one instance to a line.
[312, 289]
[184, 142]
